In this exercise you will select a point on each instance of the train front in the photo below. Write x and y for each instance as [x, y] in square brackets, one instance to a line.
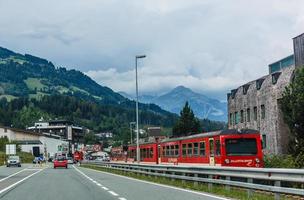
[242, 150]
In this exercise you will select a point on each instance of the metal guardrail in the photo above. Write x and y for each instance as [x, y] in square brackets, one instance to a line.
[277, 181]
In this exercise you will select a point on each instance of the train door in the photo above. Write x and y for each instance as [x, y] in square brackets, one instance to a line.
[158, 154]
[211, 152]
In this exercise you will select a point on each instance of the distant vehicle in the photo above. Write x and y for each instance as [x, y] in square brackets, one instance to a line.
[70, 160]
[35, 160]
[78, 156]
[103, 158]
[38, 160]
[50, 159]
[60, 161]
[13, 161]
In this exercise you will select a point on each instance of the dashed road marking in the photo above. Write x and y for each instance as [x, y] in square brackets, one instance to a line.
[162, 185]
[113, 193]
[104, 188]
[100, 185]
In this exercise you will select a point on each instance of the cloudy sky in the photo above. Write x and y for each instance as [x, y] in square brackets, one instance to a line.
[210, 46]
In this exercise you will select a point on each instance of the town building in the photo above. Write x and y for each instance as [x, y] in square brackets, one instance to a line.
[30, 140]
[65, 129]
[256, 104]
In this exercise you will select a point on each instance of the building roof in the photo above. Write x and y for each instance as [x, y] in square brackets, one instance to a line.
[29, 142]
[302, 34]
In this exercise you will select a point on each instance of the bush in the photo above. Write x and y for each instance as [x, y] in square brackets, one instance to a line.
[279, 161]
[25, 157]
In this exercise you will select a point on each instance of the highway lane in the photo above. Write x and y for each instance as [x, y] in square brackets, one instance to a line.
[85, 184]
[133, 189]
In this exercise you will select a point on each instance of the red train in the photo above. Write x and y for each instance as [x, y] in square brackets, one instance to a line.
[221, 148]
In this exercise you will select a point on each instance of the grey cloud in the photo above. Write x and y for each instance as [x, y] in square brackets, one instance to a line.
[211, 46]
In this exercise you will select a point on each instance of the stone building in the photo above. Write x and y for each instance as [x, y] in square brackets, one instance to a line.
[256, 105]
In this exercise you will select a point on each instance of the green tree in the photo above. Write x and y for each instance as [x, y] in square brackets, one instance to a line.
[292, 105]
[187, 123]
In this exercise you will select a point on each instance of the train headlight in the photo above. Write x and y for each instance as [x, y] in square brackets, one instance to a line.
[257, 160]
[227, 161]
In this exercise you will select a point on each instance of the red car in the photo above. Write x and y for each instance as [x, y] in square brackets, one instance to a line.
[60, 162]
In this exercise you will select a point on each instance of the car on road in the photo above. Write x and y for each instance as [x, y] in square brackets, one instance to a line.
[60, 161]
[13, 161]
[70, 160]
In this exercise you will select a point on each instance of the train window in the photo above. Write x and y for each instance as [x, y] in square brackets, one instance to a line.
[163, 151]
[176, 150]
[172, 150]
[217, 147]
[148, 153]
[241, 146]
[189, 150]
[202, 149]
[144, 153]
[167, 151]
[151, 152]
[195, 149]
[184, 150]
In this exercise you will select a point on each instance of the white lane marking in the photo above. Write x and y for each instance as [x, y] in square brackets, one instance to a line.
[30, 169]
[104, 188]
[161, 185]
[113, 193]
[12, 175]
[13, 185]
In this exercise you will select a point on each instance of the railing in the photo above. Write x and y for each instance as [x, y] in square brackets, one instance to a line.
[277, 181]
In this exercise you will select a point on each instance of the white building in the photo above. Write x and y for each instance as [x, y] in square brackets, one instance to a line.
[29, 140]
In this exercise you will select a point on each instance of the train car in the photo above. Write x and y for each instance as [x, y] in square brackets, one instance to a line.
[148, 152]
[221, 148]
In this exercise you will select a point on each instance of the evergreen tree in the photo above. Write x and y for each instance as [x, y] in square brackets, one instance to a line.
[187, 123]
[292, 105]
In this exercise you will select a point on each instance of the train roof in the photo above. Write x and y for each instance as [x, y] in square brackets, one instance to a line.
[212, 134]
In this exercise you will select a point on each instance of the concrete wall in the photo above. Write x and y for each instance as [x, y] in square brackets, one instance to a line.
[272, 126]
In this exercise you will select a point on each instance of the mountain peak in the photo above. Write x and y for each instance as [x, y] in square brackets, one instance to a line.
[181, 88]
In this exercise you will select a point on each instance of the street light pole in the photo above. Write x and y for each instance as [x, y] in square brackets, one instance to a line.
[137, 129]
[131, 131]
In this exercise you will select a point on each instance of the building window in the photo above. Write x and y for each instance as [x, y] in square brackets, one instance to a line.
[242, 116]
[264, 141]
[259, 83]
[248, 114]
[275, 77]
[236, 118]
[263, 111]
[231, 119]
[255, 113]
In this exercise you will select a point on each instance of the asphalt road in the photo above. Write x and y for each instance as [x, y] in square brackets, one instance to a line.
[35, 183]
